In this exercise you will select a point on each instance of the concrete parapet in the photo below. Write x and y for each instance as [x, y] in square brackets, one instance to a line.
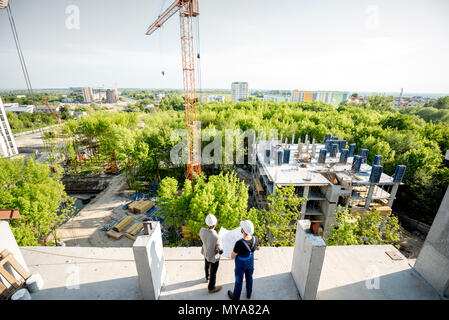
[433, 260]
[150, 262]
[308, 258]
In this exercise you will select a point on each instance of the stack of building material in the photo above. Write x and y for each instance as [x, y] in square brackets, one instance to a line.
[143, 207]
[133, 205]
[122, 224]
[133, 231]
[114, 234]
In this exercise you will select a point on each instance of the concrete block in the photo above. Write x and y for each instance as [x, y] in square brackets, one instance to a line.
[308, 258]
[21, 294]
[433, 260]
[35, 283]
[332, 193]
[150, 262]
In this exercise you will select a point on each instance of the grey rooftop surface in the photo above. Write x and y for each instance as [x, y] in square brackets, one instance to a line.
[292, 173]
[110, 273]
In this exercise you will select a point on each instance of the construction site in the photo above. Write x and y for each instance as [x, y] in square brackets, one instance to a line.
[114, 245]
[327, 175]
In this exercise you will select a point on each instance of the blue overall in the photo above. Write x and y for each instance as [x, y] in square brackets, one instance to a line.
[244, 265]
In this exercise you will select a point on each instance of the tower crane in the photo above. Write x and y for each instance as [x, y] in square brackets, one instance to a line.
[51, 110]
[188, 9]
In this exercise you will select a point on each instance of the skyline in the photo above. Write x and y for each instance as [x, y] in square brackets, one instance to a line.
[356, 46]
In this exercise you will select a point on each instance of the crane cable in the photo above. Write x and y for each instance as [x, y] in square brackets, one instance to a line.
[19, 49]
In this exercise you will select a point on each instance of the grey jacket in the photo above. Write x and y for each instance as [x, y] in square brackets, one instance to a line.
[211, 245]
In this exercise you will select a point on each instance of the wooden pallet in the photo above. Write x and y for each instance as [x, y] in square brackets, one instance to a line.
[7, 257]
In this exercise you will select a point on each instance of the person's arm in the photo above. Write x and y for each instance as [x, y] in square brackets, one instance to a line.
[218, 246]
[234, 251]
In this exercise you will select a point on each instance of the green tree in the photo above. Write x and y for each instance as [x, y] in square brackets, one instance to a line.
[372, 228]
[282, 216]
[38, 193]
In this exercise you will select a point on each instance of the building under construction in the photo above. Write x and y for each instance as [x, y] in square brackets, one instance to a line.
[327, 175]
[8, 146]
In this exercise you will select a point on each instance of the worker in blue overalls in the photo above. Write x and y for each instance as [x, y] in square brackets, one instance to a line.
[243, 254]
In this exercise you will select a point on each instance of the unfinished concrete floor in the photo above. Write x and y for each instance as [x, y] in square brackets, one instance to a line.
[110, 273]
[84, 229]
[350, 273]
[62, 268]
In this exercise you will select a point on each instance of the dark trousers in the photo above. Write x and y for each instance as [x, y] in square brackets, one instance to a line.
[243, 267]
[212, 275]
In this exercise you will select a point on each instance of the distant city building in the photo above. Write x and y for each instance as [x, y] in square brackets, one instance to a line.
[298, 96]
[159, 97]
[8, 146]
[20, 109]
[356, 100]
[45, 109]
[331, 97]
[212, 98]
[67, 100]
[91, 94]
[239, 91]
[111, 95]
[267, 97]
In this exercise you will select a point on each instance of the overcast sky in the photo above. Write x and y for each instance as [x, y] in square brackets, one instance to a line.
[352, 45]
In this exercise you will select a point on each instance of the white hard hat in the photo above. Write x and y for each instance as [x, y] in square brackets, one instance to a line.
[247, 226]
[211, 220]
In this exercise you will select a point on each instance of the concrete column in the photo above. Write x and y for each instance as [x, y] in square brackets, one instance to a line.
[304, 204]
[394, 190]
[433, 260]
[308, 258]
[369, 197]
[150, 262]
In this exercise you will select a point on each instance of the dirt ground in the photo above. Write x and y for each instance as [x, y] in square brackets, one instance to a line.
[83, 230]
[411, 243]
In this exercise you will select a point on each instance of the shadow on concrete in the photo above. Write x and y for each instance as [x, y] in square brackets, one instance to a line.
[117, 289]
[275, 287]
[402, 285]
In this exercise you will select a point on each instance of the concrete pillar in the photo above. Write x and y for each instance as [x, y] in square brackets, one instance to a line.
[433, 260]
[150, 262]
[304, 204]
[369, 197]
[394, 190]
[308, 258]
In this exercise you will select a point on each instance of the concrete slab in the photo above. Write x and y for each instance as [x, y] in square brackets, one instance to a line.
[60, 267]
[77, 273]
[110, 273]
[348, 273]
[185, 277]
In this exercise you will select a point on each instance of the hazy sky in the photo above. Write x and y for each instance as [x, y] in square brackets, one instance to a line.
[352, 45]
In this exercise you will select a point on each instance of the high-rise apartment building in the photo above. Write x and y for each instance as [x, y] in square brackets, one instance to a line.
[8, 146]
[331, 97]
[239, 91]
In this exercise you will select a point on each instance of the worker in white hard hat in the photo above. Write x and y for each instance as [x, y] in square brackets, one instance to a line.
[211, 250]
[243, 253]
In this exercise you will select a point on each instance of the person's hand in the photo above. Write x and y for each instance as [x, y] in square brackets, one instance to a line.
[220, 252]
